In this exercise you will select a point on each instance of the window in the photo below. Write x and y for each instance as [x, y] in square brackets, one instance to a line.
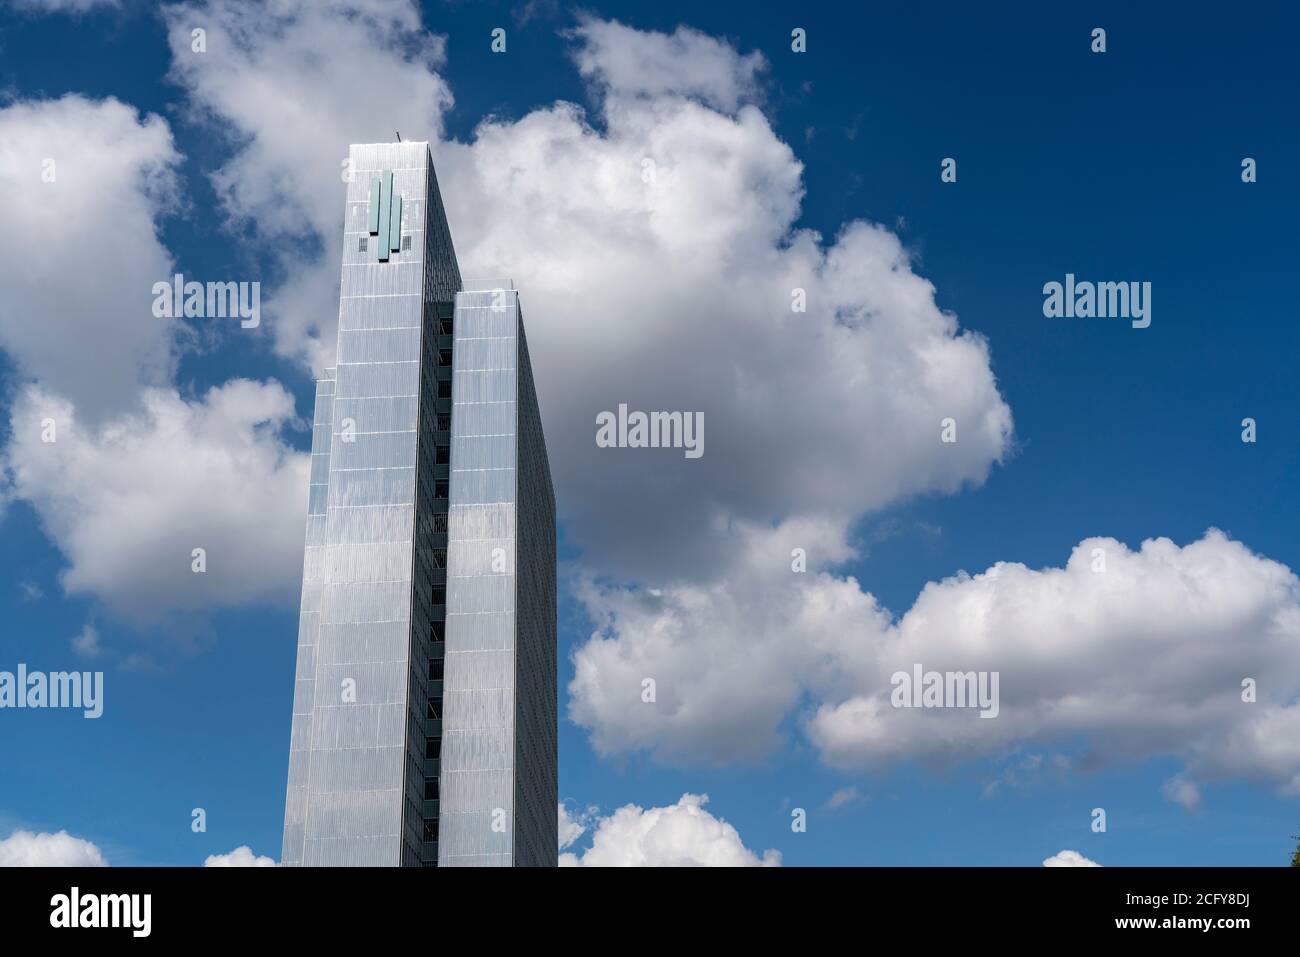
[439, 561]
[444, 357]
[440, 591]
[431, 708]
[406, 243]
[440, 489]
[435, 673]
[431, 831]
[444, 327]
[444, 422]
[431, 789]
[444, 388]
[441, 455]
[363, 244]
[433, 747]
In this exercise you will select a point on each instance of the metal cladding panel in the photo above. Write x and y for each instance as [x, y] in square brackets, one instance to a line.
[295, 806]
[536, 757]
[442, 273]
[355, 791]
[498, 764]
[477, 767]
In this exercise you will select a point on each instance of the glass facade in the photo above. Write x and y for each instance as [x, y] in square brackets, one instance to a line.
[499, 752]
[536, 758]
[407, 637]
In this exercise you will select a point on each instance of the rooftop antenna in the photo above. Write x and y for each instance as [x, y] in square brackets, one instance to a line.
[399, 135]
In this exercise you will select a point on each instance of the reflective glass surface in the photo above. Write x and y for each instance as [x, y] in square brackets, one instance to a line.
[424, 709]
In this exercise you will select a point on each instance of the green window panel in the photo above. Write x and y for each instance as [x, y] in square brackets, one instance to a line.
[385, 212]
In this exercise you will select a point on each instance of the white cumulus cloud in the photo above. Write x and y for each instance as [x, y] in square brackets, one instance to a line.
[28, 849]
[128, 502]
[1069, 859]
[659, 268]
[654, 243]
[241, 856]
[83, 182]
[680, 835]
[128, 477]
[1143, 659]
[630, 62]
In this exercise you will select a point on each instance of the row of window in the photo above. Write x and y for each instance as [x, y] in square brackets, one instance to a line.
[442, 456]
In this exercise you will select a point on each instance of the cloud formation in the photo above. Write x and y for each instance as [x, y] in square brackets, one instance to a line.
[656, 249]
[86, 642]
[656, 244]
[680, 835]
[572, 826]
[1142, 659]
[656, 241]
[661, 268]
[129, 501]
[27, 849]
[241, 856]
[126, 475]
[624, 62]
[84, 182]
[1069, 859]
[1182, 792]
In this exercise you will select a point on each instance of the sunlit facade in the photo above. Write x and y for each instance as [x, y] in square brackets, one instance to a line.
[424, 718]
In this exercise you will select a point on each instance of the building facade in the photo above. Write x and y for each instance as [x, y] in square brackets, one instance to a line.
[424, 717]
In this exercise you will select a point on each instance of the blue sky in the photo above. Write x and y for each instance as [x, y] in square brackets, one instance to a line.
[1119, 166]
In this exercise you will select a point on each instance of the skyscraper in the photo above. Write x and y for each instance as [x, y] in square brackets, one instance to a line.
[424, 716]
